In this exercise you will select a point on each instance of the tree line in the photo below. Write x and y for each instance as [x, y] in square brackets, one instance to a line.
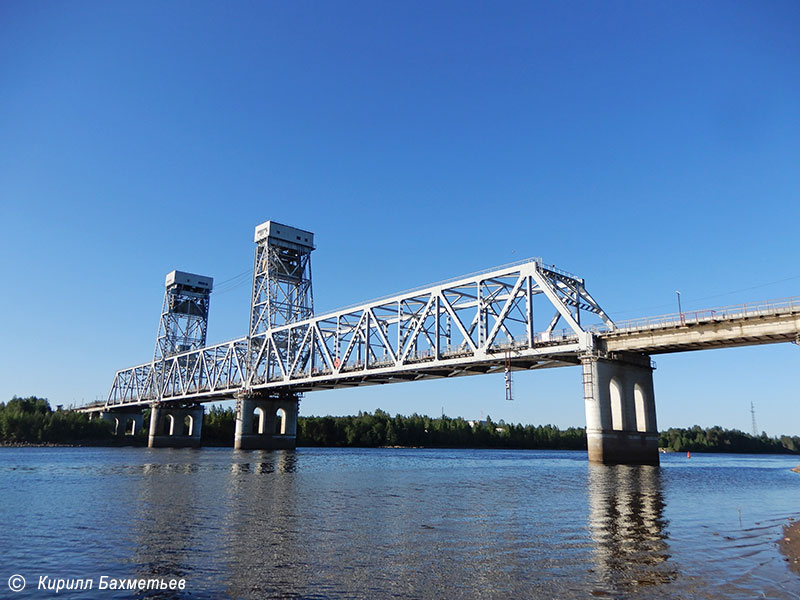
[717, 439]
[31, 420]
[381, 429]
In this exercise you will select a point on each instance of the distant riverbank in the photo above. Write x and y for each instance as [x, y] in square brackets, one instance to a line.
[104, 443]
[31, 421]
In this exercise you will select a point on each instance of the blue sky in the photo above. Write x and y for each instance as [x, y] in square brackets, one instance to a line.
[647, 147]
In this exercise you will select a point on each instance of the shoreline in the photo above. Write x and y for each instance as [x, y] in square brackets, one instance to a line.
[142, 442]
[75, 444]
[790, 545]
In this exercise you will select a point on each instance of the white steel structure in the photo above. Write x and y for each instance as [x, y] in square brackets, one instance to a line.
[471, 325]
[282, 294]
[184, 314]
[182, 328]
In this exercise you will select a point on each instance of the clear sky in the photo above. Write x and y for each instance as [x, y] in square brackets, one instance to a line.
[647, 147]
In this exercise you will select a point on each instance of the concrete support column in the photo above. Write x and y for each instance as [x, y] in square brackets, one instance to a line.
[124, 422]
[266, 422]
[620, 409]
[175, 427]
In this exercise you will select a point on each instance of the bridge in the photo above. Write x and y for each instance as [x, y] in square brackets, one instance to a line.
[523, 316]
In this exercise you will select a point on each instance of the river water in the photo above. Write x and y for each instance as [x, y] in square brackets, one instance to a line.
[395, 523]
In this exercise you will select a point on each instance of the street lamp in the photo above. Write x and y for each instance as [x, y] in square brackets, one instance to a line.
[680, 311]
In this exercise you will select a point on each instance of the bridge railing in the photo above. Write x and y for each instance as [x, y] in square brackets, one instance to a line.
[722, 313]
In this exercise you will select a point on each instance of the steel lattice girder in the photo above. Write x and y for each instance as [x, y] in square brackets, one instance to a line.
[456, 328]
[184, 318]
[282, 291]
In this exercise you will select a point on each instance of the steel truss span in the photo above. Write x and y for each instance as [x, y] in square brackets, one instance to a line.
[473, 325]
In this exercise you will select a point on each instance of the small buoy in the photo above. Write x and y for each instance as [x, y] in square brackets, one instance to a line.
[688, 455]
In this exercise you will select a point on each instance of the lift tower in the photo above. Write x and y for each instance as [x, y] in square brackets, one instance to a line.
[282, 294]
[184, 314]
[182, 328]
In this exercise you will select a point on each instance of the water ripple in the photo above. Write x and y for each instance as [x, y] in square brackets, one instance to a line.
[339, 523]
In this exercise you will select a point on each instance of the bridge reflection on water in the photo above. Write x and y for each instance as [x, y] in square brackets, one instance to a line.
[283, 534]
[628, 527]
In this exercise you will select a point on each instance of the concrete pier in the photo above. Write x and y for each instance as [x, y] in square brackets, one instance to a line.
[264, 422]
[620, 409]
[175, 427]
[125, 422]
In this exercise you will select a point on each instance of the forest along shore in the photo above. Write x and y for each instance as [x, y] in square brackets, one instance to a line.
[31, 421]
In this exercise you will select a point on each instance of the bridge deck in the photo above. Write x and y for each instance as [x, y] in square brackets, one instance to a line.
[741, 325]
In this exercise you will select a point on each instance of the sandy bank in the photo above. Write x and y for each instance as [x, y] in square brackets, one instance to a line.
[790, 545]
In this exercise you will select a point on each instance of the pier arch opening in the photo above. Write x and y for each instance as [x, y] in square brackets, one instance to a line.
[169, 425]
[188, 425]
[280, 422]
[616, 396]
[640, 404]
[258, 420]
